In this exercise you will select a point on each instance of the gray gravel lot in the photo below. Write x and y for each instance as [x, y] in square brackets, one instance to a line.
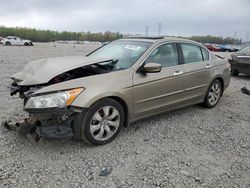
[190, 147]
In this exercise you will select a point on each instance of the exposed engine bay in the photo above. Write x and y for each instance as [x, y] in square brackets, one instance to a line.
[89, 70]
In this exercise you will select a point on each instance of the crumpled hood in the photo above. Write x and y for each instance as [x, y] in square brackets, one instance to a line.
[43, 70]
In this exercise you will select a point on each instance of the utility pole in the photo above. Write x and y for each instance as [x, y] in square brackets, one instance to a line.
[146, 30]
[159, 28]
[247, 36]
[235, 35]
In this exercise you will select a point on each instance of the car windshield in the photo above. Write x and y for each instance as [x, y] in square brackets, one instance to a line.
[124, 53]
[245, 50]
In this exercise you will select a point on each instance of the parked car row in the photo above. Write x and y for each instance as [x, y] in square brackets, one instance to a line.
[222, 47]
[17, 41]
[78, 42]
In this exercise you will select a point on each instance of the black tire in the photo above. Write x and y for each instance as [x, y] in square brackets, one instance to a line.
[8, 43]
[207, 101]
[26, 44]
[234, 72]
[83, 126]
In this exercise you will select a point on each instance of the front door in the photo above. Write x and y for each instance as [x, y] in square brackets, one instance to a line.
[155, 92]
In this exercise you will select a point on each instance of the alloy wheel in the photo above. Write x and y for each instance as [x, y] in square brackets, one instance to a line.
[214, 94]
[104, 123]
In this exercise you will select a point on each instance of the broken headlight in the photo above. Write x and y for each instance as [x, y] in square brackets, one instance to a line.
[58, 100]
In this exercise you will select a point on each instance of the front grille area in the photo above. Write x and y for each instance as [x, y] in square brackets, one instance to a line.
[244, 65]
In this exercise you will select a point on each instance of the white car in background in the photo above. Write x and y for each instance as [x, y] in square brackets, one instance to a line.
[13, 40]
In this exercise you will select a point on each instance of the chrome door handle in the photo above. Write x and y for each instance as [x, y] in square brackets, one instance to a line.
[176, 73]
[208, 66]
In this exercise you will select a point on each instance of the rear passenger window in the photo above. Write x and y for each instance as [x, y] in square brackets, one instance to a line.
[191, 53]
[166, 55]
[205, 54]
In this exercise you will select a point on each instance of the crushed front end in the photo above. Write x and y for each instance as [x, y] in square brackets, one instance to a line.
[51, 115]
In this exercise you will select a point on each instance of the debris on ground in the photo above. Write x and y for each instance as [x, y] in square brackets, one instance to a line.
[245, 91]
[105, 171]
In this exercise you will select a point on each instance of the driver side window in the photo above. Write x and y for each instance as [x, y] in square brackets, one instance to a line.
[166, 55]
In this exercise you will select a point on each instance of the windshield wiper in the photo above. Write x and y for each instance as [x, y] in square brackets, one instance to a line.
[108, 67]
[102, 66]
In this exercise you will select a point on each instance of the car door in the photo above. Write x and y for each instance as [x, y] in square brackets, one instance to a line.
[198, 72]
[14, 41]
[19, 41]
[156, 92]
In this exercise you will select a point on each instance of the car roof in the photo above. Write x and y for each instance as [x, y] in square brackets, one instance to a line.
[12, 37]
[157, 39]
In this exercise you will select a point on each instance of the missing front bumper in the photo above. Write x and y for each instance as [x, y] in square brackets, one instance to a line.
[52, 125]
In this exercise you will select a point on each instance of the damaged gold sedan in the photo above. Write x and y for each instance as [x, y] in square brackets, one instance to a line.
[91, 97]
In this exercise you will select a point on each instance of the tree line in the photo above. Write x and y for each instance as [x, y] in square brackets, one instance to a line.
[216, 40]
[38, 35]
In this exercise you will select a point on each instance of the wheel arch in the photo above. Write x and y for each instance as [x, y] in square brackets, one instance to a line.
[118, 97]
[221, 80]
[125, 108]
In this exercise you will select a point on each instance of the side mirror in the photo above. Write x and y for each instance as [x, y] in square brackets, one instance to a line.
[151, 68]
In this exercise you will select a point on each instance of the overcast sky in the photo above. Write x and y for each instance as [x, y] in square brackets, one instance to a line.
[178, 17]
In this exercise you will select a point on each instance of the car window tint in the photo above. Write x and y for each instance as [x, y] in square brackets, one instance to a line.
[191, 53]
[166, 55]
[205, 54]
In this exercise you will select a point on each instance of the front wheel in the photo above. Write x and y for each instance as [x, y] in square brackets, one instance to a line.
[8, 43]
[213, 94]
[102, 122]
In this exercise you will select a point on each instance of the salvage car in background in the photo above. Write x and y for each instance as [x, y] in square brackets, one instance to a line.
[212, 47]
[240, 61]
[92, 97]
[17, 41]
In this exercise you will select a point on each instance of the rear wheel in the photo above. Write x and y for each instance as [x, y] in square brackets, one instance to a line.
[213, 94]
[26, 44]
[235, 72]
[102, 122]
[8, 43]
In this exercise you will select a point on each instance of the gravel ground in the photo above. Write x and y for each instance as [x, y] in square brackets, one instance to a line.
[190, 147]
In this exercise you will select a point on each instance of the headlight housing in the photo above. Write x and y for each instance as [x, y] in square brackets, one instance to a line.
[54, 100]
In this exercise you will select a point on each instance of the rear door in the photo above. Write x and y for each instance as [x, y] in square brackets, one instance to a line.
[155, 92]
[198, 71]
